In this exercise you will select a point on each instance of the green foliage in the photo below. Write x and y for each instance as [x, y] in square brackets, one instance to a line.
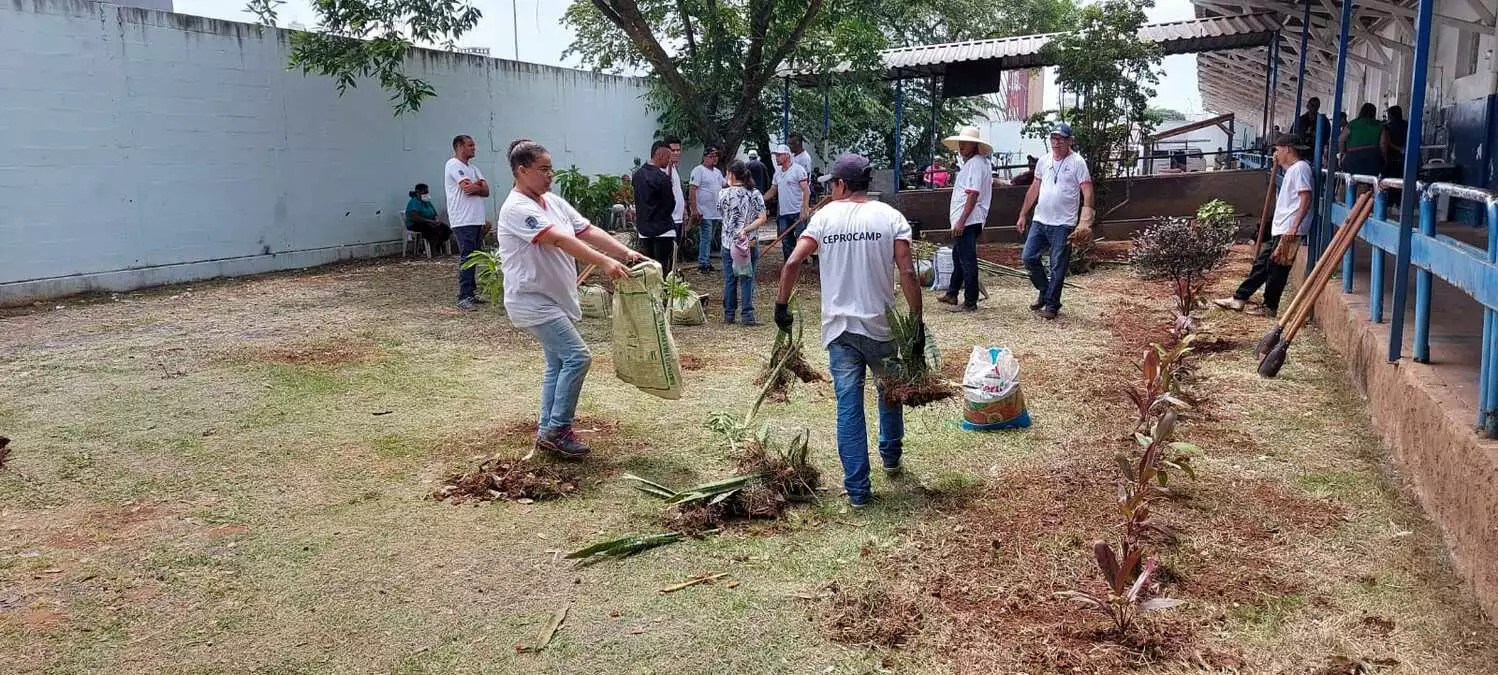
[1184, 251]
[594, 198]
[1217, 214]
[490, 275]
[623, 547]
[1158, 115]
[1112, 74]
[357, 39]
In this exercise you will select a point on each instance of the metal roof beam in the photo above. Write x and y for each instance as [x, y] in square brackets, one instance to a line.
[1487, 15]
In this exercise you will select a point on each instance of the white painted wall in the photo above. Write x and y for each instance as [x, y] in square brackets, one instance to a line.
[140, 147]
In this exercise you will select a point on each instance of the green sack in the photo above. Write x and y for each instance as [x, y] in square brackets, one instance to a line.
[644, 352]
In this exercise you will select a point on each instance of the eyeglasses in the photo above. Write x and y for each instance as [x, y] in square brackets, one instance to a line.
[543, 169]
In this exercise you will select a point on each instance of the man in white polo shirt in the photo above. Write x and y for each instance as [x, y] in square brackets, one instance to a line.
[706, 182]
[971, 195]
[466, 190]
[1062, 185]
[790, 185]
[1292, 216]
[862, 244]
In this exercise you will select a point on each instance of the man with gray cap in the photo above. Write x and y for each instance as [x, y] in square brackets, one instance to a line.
[1062, 184]
[862, 244]
[1292, 216]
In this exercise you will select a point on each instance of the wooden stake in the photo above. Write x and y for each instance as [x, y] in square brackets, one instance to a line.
[699, 579]
[586, 271]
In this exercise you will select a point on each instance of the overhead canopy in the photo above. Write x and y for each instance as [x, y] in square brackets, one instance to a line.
[973, 68]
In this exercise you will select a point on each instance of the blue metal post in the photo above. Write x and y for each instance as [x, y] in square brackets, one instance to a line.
[935, 120]
[785, 109]
[1423, 15]
[1268, 75]
[1488, 397]
[1300, 76]
[899, 127]
[1422, 283]
[1376, 264]
[1324, 207]
[1348, 194]
[1314, 246]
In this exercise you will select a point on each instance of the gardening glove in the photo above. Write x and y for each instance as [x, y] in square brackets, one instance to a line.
[1285, 252]
[783, 318]
[919, 346]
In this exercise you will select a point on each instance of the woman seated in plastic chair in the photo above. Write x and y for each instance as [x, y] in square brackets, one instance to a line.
[421, 218]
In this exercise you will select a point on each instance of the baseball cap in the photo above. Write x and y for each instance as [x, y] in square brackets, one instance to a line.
[851, 167]
[780, 150]
[1062, 129]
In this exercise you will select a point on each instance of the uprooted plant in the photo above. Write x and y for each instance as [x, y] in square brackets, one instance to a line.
[787, 360]
[511, 479]
[912, 377]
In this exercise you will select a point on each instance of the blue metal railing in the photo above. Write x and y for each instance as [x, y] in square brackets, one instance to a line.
[1472, 270]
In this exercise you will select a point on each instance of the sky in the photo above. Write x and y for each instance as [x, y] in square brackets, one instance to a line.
[543, 37]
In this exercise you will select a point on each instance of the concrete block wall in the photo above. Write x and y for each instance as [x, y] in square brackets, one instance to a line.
[140, 147]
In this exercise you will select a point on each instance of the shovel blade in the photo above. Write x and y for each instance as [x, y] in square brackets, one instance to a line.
[1274, 360]
[1268, 342]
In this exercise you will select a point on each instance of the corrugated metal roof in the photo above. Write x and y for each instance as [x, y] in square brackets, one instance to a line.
[1176, 37]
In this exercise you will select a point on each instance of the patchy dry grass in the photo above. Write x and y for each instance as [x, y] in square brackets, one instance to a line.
[236, 478]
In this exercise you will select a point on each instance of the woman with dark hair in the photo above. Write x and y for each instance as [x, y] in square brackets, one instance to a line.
[743, 212]
[421, 218]
[1392, 142]
[541, 239]
[1360, 140]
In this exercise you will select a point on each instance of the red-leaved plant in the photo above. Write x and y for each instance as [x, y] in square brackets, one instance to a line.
[1159, 388]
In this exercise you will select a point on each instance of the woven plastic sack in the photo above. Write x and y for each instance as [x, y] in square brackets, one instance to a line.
[688, 311]
[596, 302]
[990, 387]
[644, 352]
[941, 262]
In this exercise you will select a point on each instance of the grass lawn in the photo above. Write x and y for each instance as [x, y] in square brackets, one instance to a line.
[234, 476]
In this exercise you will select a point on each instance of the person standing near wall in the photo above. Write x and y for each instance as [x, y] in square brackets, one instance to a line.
[790, 187]
[862, 244]
[466, 190]
[1292, 216]
[541, 240]
[971, 196]
[1365, 154]
[654, 204]
[1062, 185]
[706, 183]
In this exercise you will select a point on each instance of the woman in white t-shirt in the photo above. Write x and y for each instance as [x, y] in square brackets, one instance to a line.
[742, 209]
[541, 238]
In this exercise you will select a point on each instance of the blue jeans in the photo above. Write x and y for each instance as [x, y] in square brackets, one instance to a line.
[965, 265]
[470, 238]
[850, 355]
[1052, 237]
[738, 289]
[567, 361]
[705, 234]
[784, 223]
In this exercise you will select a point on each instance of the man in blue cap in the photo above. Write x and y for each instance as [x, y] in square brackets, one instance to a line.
[861, 243]
[1062, 186]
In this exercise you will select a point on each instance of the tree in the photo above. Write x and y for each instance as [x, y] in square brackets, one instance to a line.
[1158, 115]
[370, 39]
[1112, 73]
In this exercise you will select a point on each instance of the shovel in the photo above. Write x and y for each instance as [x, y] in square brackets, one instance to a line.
[1274, 359]
[1360, 210]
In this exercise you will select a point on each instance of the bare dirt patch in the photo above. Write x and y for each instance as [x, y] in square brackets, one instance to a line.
[331, 352]
[693, 362]
[508, 479]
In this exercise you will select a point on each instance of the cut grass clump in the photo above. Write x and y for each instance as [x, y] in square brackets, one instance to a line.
[508, 479]
[768, 481]
[912, 377]
[868, 616]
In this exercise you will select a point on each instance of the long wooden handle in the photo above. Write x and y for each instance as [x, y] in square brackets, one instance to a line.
[1324, 265]
[1264, 212]
[584, 276]
[1352, 225]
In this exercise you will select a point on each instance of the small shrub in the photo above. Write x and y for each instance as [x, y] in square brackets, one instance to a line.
[489, 275]
[1183, 252]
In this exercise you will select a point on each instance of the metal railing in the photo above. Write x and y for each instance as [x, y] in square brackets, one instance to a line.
[1472, 270]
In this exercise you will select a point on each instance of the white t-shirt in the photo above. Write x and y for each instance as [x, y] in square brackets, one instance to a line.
[679, 213]
[856, 245]
[708, 183]
[1060, 189]
[788, 187]
[540, 280]
[462, 209]
[1297, 180]
[803, 160]
[975, 176]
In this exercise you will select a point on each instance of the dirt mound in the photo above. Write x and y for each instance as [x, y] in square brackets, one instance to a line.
[508, 479]
[868, 616]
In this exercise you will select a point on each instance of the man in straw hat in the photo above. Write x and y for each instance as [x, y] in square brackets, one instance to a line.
[1062, 185]
[1292, 215]
[971, 195]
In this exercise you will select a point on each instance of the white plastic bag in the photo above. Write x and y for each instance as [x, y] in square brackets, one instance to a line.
[644, 351]
[942, 262]
[991, 388]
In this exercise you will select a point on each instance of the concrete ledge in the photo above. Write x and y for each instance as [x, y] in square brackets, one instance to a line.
[1452, 470]
[25, 292]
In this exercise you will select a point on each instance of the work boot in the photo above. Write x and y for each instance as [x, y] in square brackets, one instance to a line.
[963, 308]
[1039, 303]
[1229, 303]
[563, 443]
[947, 299]
[1049, 313]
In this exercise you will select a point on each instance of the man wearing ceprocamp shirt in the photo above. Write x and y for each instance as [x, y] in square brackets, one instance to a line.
[1062, 184]
[789, 186]
[654, 205]
[966, 214]
[862, 243]
[707, 182]
[1292, 215]
[466, 190]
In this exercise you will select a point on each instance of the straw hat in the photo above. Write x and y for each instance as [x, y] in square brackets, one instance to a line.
[969, 135]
